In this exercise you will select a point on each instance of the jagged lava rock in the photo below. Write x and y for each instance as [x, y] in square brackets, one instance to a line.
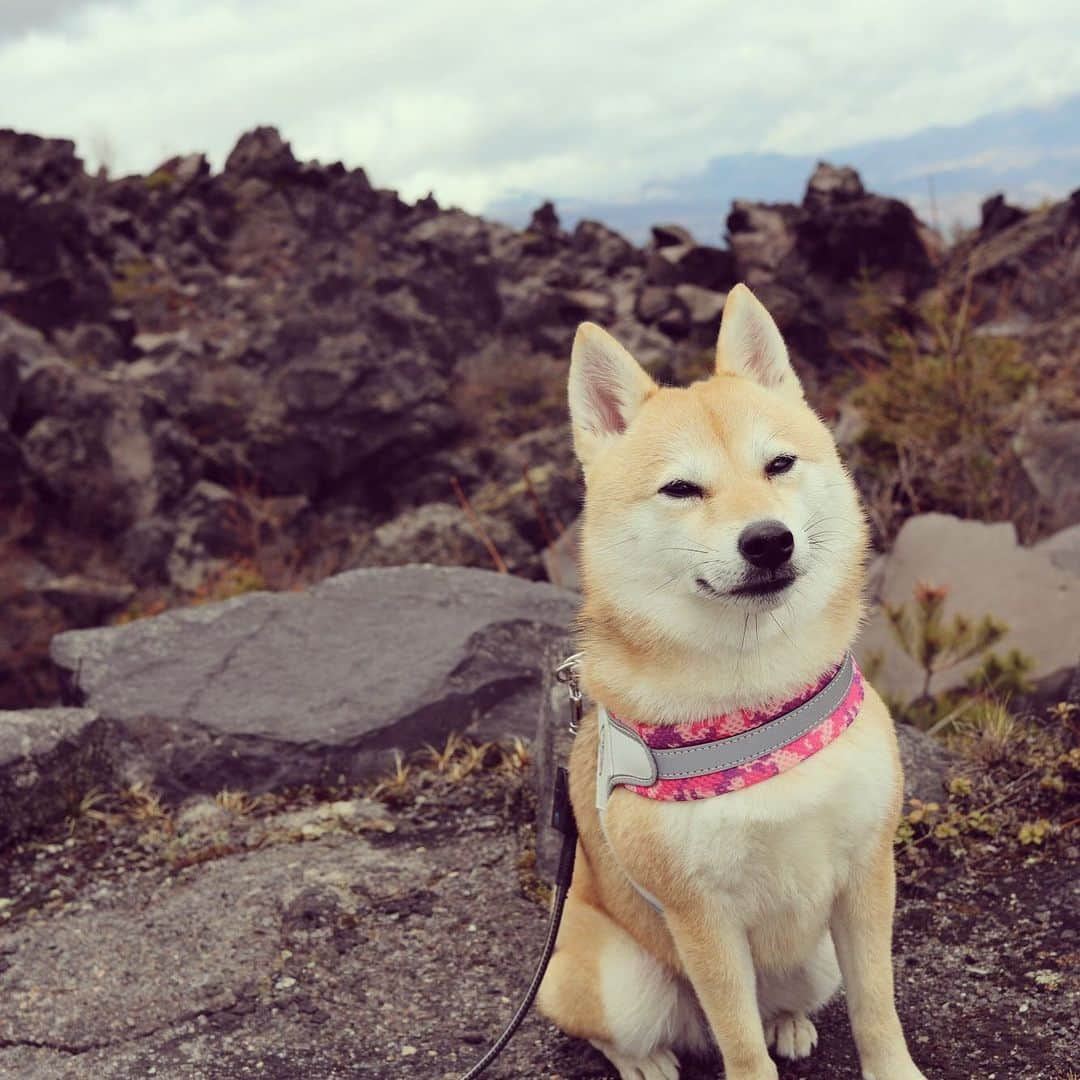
[274, 689]
[51, 273]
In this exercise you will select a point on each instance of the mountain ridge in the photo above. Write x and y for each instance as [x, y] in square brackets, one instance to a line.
[1028, 154]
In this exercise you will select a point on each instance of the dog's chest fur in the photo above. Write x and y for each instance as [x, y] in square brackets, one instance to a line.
[775, 855]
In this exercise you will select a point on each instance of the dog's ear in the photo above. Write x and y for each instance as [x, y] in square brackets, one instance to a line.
[607, 388]
[750, 344]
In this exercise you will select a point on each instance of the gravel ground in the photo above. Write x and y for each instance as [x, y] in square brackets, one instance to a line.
[307, 940]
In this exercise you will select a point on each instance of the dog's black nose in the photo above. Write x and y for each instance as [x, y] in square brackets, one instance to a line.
[766, 544]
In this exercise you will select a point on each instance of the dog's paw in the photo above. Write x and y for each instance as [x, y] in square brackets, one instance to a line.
[659, 1065]
[792, 1035]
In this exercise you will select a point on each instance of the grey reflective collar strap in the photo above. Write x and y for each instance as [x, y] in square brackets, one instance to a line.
[624, 758]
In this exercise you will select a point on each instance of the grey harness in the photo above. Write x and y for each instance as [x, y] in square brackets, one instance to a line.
[623, 757]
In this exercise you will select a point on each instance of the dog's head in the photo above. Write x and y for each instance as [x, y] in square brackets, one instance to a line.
[713, 503]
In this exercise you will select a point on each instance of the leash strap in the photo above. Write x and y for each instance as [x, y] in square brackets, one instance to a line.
[562, 818]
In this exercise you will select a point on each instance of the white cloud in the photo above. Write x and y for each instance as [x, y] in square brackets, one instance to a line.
[474, 99]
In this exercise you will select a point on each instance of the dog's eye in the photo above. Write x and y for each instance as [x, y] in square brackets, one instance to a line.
[682, 489]
[781, 464]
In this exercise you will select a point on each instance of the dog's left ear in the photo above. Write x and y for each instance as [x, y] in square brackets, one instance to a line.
[750, 344]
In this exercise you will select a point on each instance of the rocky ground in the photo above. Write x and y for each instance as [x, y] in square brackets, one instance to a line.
[333, 935]
[206, 875]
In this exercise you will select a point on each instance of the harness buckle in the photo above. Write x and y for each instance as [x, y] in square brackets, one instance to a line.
[569, 674]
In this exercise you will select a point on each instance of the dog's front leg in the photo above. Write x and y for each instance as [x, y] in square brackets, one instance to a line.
[716, 955]
[862, 932]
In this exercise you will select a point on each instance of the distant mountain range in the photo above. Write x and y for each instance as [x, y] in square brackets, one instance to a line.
[1030, 154]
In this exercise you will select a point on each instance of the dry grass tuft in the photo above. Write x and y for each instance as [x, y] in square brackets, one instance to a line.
[1013, 793]
[457, 760]
[237, 803]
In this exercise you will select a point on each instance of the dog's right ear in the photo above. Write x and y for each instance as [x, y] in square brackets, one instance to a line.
[750, 345]
[607, 388]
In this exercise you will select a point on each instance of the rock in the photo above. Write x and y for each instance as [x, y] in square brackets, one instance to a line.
[576, 305]
[604, 247]
[707, 267]
[214, 526]
[11, 464]
[704, 308]
[829, 186]
[21, 349]
[561, 558]
[997, 214]
[1062, 549]
[846, 233]
[443, 535]
[986, 572]
[51, 275]
[153, 344]
[660, 269]
[268, 690]
[926, 764]
[675, 321]
[654, 302]
[49, 759]
[544, 219]
[549, 316]
[807, 263]
[691, 264]
[94, 344]
[93, 452]
[761, 238]
[1030, 260]
[1049, 451]
[670, 236]
[86, 601]
[262, 154]
[186, 168]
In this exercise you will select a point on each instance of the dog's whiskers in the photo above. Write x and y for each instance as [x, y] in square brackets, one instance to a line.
[617, 543]
[742, 642]
[827, 517]
[780, 627]
[688, 569]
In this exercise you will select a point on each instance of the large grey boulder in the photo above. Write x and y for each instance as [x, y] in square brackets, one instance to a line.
[986, 572]
[275, 689]
[49, 759]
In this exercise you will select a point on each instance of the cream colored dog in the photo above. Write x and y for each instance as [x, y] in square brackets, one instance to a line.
[771, 893]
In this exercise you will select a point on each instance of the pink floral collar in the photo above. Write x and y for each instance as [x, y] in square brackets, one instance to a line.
[729, 733]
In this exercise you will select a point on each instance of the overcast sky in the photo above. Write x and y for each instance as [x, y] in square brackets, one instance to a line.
[472, 99]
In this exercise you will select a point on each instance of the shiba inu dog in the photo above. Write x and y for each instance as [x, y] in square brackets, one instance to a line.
[722, 562]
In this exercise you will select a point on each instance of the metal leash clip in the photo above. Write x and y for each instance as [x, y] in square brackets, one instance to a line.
[569, 674]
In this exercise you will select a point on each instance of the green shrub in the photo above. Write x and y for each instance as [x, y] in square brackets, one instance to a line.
[941, 415]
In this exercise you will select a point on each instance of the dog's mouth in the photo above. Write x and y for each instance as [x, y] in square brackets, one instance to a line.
[767, 586]
[758, 588]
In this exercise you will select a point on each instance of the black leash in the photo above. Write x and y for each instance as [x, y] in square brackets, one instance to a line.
[562, 818]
